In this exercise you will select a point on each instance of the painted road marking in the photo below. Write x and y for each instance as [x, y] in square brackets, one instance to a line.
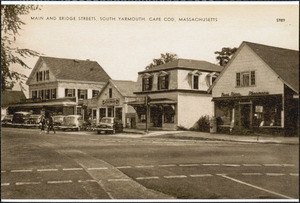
[167, 165]
[177, 176]
[59, 181]
[46, 170]
[72, 169]
[5, 184]
[148, 166]
[120, 179]
[272, 164]
[210, 164]
[200, 175]
[17, 171]
[252, 174]
[94, 139]
[233, 165]
[188, 165]
[275, 174]
[102, 168]
[123, 167]
[84, 181]
[3, 171]
[294, 174]
[254, 186]
[147, 178]
[251, 165]
[27, 183]
[288, 164]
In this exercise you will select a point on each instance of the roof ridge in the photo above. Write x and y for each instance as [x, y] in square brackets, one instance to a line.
[52, 57]
[247, 42]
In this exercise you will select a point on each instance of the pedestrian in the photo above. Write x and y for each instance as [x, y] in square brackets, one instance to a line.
[43, 123]
[50, 124]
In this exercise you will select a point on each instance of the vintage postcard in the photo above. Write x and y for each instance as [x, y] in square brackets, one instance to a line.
[149, 101]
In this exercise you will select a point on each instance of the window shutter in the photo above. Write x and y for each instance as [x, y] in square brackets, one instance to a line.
[150, 83]
[167, 82]
[238, 79]
[66, 92]
[158, 82]
[143, 84]
[252, 77]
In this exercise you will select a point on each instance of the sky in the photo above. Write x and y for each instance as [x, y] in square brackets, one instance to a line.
[123, 47]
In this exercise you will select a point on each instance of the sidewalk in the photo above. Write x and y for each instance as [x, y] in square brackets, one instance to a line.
[217, 137]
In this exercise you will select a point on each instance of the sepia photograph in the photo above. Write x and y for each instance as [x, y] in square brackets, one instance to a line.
[149, 101]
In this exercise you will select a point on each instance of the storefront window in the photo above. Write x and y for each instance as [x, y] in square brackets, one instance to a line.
[102, 113]
[142, 118]
[267, 115]
[110, 112]
[94, 113]
[119, 113]
[169, 114]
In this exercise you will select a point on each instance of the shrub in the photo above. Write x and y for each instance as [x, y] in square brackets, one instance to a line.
[179, 127]
[203, 124]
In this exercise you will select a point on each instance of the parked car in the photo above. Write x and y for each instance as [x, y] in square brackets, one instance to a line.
[58, 120]
[34, 121]
[73, 122]
[109, 124]
[7, 120]
[20, 118]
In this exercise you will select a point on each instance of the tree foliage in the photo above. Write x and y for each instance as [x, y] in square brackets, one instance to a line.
[11, 54]
[164, 58]
[225, 55]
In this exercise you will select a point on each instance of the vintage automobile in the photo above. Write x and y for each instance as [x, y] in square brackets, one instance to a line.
[73, 122]
[58, 120]
[7, 120]
[34, 121]
[20, 118]
[109, 124]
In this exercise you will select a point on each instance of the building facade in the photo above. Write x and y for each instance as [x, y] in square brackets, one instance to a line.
[10, 97]
[112, 102]
[175, 94]
[60, 85]
[258, 90]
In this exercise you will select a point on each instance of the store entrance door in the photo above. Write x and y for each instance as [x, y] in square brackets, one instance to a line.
[156, 116]
[246, 115]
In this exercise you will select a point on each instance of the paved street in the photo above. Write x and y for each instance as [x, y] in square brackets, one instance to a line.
[85, 165]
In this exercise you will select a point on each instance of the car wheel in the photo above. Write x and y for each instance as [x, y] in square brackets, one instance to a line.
[98, 131]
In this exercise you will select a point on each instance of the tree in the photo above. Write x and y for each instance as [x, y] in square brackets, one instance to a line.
[11, 54]
[225, 55]
[164, 58]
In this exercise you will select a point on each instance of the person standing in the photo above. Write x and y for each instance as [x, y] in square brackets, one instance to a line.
[50, 124]
[43, 123]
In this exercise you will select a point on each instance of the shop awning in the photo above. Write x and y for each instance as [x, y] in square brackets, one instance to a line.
[153, 101]
[237, 98]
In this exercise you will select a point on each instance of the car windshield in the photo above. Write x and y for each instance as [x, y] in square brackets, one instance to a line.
[58, 118]
[8, 117]
[70, 119]
[35, 116]
[106, 120]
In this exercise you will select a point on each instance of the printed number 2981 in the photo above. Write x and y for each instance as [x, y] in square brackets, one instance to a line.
[280, 20]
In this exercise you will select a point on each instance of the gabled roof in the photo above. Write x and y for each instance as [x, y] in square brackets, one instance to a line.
[186, 64]
[125, 87]
[11, 97]
[73, 69]
[284, 62]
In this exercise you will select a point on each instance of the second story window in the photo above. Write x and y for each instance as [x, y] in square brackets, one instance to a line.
[95, 93]
[53, 93]
[110, 92]
[34, 94]
[147, 83]
[42, 75]
[163, 81]
[245, 79]
[47, 75]
[82, 94]
[196, 82]
[69, 92]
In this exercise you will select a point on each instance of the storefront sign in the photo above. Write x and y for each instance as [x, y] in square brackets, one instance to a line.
[31, 100]
[232, 94]
[111, 102]
[257, 93]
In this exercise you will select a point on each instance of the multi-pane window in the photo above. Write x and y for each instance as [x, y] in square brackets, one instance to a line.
[34, 94]
[78, 109]
[95, 93]
[196, 82]
[42, 75]
[82, 94]
[245, 79]
[169, 114]
[110, 112]
[94, 113]
[53, 93]
[163, 82]
[102, 113]
[69, 92]
[147, 83]
[47, 94]
[110, 92]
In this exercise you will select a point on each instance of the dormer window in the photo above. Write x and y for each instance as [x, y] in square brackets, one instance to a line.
[195, 79]
[147, 82]
[163, 80]
[212, 77]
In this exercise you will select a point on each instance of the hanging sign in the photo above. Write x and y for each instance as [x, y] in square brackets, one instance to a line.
[111, 102]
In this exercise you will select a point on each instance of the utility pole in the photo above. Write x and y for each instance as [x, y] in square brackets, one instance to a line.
[147, 110]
